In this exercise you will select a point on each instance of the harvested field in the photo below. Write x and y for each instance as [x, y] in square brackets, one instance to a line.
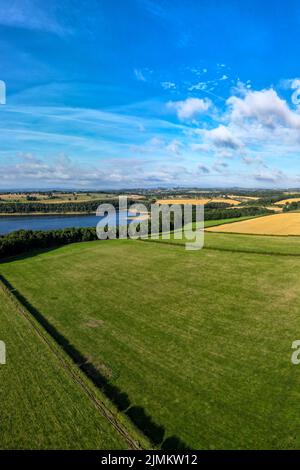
[274, 208]
[277, 224]
[197, 201]
[287, 201]
[243, 198]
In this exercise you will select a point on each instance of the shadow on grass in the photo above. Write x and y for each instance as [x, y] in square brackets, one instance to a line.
[174, 443]
[29, 254]
[144, 422]
[138, 416]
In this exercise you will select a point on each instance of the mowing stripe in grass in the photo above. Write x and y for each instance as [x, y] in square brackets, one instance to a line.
[230, 250]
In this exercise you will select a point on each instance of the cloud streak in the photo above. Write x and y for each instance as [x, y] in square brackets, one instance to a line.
[32, 15]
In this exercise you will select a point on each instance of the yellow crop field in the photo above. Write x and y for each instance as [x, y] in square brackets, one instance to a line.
[277, 224]
[197, 201]
[243, 198]
[275, 208]
[287, 201]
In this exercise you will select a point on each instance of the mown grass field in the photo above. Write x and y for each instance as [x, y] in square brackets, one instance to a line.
[41, 406]
[198, 342]
[211, 223]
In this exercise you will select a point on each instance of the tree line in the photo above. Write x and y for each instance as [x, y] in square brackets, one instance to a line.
[291, 206]
[216, 214]
[57, 207]
[22, 241]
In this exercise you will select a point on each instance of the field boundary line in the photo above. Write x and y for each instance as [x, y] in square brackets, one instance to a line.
[68, 364]
[247, 233]
[230, 250]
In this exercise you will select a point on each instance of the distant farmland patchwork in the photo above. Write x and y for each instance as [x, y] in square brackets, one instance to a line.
[197, 344]
[199, 201]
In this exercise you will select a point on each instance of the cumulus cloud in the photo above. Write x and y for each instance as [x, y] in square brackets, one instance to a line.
[64, 172]
[61, 169]
[295, 85]
[220, 167]
[272, 176]
[253, 128]
[257, 160]
[159, 146]
[190, 107]
[253, 121]
[203, 169]
[266, 107]
[175, 147]
[222, 137]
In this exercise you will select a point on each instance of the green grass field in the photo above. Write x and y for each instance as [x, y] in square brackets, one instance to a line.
[41, 406]
[198, 342]
[211, 223]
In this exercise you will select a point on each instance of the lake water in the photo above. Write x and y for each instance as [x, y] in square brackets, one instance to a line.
[51, 222]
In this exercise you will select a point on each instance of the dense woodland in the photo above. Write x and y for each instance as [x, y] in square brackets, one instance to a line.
[22, 241]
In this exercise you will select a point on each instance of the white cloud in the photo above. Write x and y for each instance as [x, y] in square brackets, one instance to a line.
[265, 107]
[32, 15]
[159, 147]
[295, 85]
[198, 86]
[257, 160]
[222, 137]
[220, 167]
[203, 169]
[258, 122]
[271, 176]
[168, 85]
[174, 147]
[139, 75]
[63, 172]
[190, 107]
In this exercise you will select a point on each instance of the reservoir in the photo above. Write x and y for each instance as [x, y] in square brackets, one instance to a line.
[12, 223]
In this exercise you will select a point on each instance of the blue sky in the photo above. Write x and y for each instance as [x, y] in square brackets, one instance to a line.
[146, 93]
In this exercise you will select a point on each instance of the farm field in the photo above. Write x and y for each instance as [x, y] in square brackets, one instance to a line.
[211, 223]
[243, 198]
[287, 201]
[41, 406]
[198, 342]
[198, 201]
[256, 244]
[55, 198]
[276, 224]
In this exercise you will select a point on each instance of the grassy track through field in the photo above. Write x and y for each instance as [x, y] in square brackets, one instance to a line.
[197, 344]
